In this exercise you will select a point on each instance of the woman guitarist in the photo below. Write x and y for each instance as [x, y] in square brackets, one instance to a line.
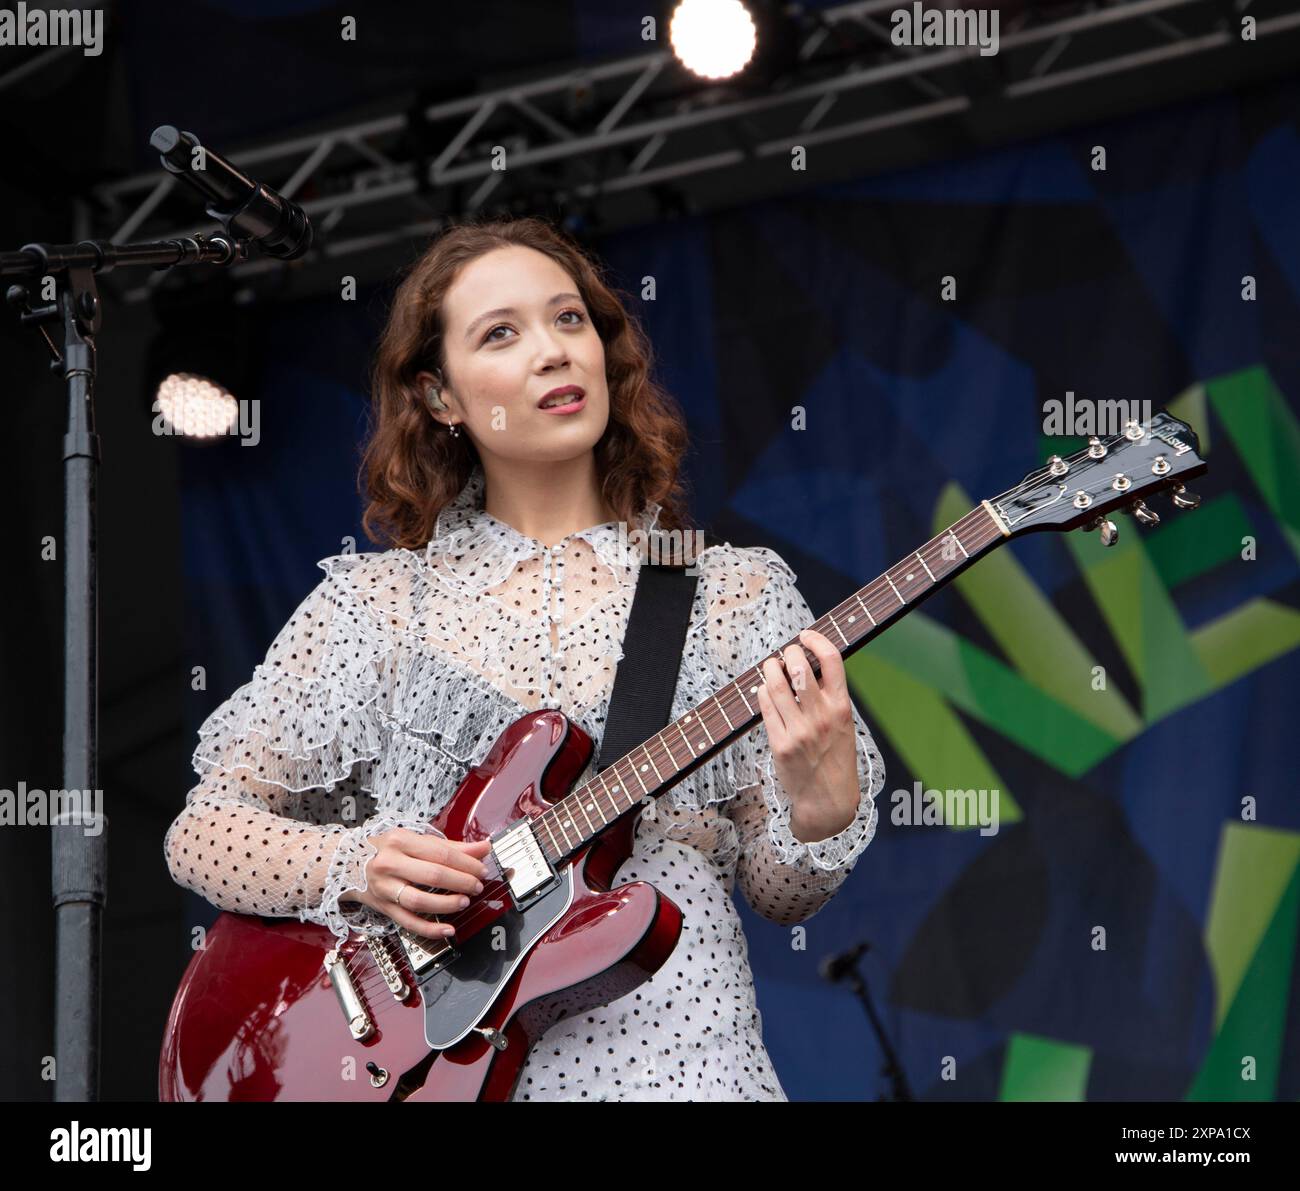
[518, 440]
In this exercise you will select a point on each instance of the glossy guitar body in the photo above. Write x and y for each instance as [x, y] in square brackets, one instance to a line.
[257, 1015]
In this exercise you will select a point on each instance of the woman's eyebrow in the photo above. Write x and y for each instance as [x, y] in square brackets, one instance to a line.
[502, 311]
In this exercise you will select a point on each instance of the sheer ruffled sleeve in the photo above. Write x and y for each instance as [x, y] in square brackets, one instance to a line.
[755, 608]
[280, 821]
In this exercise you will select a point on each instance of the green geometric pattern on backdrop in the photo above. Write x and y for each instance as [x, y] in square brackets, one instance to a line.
[1039, 1068]
[1250, 939]
[916, 678]
[1267, 437]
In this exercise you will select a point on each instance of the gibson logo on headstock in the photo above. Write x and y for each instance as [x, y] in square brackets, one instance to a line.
[1164, 435]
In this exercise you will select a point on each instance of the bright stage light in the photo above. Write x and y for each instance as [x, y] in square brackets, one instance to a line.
[196, 406]
[712, 38]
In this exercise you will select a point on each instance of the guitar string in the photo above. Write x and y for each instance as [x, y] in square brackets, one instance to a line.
[372, 982]
[1035, 476]
[467, 917]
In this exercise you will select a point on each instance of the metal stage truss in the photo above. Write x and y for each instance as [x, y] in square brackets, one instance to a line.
[637, 139]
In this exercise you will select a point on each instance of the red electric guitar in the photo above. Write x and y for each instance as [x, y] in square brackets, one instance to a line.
[272, 1009]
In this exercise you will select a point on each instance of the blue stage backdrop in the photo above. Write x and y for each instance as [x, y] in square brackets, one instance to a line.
[859, 366]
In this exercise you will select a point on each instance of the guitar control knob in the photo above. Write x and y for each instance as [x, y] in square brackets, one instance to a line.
[1145, 515]
[1184, 499]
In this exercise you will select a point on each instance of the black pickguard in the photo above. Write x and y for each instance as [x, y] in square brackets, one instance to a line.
[458, 994]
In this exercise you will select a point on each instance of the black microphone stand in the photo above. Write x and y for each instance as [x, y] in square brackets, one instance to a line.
[844, 967]
[80, 859]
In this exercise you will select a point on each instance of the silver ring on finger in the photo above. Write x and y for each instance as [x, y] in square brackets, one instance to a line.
[398, 898]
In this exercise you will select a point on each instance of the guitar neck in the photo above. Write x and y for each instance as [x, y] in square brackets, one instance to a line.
[666, 758]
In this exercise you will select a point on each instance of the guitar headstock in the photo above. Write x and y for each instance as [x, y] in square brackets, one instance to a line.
[1115, 471]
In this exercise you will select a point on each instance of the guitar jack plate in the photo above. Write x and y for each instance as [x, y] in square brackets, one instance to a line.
[494, 1036]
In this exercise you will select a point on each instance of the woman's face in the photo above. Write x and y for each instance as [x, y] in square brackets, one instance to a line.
[514, 329]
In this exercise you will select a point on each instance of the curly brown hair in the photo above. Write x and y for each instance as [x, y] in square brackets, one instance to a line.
[412, 471]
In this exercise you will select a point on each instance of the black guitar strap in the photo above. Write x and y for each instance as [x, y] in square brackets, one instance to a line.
[642, 698]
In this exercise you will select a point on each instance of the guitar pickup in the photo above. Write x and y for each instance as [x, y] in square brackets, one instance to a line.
[529, 874]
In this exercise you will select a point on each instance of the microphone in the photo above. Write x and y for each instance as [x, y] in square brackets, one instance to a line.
[836, 967]
[244, 207]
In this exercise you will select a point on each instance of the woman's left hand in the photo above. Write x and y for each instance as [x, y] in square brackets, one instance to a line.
[813, 737]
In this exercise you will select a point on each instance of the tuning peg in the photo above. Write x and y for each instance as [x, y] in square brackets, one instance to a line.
[1143, 514]
[1109, 530]
[1184, 499]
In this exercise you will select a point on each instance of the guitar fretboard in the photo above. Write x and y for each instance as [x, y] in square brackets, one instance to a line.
[655, 766]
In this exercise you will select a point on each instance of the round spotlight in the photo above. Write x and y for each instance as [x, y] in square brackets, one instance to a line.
[196, 406]
[712, 38]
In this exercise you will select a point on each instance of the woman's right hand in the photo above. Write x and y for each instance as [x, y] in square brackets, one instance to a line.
[431, 874]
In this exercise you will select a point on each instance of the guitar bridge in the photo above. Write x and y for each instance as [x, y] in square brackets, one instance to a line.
[382, 950]
[360, 1025]
[529, 874]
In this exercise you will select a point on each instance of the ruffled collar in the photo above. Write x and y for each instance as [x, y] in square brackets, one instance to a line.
[481, 550]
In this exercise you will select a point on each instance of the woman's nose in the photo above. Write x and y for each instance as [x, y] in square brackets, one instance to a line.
[553, 349]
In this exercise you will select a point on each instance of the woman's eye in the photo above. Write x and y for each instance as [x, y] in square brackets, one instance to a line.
[502, 326]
